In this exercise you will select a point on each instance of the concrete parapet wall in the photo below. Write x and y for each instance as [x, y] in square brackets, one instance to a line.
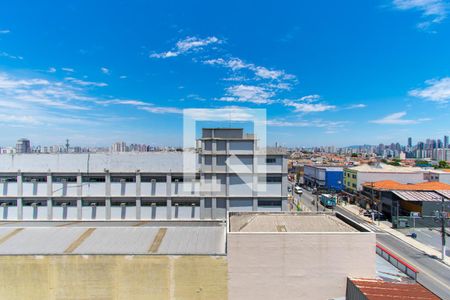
[113, 277]
[297, 265]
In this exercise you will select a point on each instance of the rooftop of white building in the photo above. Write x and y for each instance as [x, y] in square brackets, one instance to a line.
[152, 162]
[385, 168]
[287, 222]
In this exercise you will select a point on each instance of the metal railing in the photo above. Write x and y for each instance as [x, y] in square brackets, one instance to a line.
[397, 262]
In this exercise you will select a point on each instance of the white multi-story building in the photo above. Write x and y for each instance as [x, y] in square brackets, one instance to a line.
[147, 185]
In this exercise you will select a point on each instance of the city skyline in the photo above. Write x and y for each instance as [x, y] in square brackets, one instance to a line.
[127, 146]
[94, 81]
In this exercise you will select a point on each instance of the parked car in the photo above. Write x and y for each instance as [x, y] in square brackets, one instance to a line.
[376, 214]
[289, 189]
[298, 190]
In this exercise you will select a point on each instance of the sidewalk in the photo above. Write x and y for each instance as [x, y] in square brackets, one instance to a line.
[424, 248]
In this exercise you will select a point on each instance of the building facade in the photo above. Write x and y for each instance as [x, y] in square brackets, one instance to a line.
[323, 177]
[139, 186]
[355, 177]
[23, 146]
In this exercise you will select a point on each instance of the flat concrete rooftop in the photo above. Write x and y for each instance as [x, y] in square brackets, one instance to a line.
[287, 222]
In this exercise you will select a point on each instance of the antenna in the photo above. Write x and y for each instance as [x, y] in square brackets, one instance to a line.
[67, 145]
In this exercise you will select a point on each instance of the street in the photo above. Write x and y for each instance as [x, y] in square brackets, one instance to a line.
[427, 236]
[433, 274]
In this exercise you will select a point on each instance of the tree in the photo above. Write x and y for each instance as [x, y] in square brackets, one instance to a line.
[443, 165]
[354, 155]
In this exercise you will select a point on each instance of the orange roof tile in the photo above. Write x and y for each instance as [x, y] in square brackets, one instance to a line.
[375, 289]
[394, 185]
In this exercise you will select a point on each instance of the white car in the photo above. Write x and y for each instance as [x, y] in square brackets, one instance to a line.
[298, 190]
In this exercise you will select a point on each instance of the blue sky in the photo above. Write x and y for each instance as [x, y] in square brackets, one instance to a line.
[328, 72]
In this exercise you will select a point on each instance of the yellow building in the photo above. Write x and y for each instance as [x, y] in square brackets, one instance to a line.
[350, 180]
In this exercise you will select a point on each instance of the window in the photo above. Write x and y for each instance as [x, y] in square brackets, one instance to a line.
[275, 203]
[221, 146]
[123, 179]
[354, 185]
[153, 178]
[60, 203]
[93, 203]
[354, 176]
[177, 178]
[208, 160]
[273, 179]
[8, 179]
[271, 160]
[34, 203]
[65, 179]
[186, 203]
[35, 179]
[154, 203]
[220, 160]
[93, 179]
[122, 203]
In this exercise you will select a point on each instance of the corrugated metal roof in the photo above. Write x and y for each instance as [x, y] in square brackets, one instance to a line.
[129, 240]
[379, 289]
[418, 196]
[446, 194]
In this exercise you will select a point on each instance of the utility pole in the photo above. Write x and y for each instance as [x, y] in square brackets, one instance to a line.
[315, 192]
[443, 220]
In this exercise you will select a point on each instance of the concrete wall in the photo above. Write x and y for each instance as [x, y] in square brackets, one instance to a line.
[297, 265]
[113, 277]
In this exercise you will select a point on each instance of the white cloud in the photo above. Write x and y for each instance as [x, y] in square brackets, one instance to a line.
[161, 109]
[267, 74]
[5, 31]
[236, 64]
[5, 54]
[124, 102]
[233, 63]
[9, 118]
[306, 104]
[247, 93]
[70, 70]
[236, 114]
[85, 83]
[123, 77]
[51, 70]
[105, 70]
[329, 125]
[397, 119]
[438, 90]
[355, 106]
[7, 82]
[187, 45]
[142, 105]
[435, 10]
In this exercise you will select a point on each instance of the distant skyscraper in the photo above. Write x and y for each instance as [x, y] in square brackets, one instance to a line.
[409, 142]
[23, 146]
[446, 141]
[119, 147]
